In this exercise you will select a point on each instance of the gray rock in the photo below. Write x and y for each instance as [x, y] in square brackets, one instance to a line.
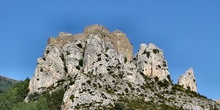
[188, 80]
[97, 72]
[151, 61]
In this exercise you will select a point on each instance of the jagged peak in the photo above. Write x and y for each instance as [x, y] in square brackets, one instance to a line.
[188, 81]
[117, 31]
[152, 61]
[152, 45]
[62, 34]
[149, 47]
[96, 28]
[190, 71]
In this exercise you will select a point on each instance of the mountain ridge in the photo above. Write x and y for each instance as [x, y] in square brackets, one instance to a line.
[6, 83]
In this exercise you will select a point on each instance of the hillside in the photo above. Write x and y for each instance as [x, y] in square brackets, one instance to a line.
[6, 83]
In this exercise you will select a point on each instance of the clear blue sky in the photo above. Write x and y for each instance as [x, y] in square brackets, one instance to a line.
[187, 30]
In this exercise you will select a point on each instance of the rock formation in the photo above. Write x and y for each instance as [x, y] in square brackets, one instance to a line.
[188, 80]
[120, 41]
[151, 61]
[96, 69]
[218, 101]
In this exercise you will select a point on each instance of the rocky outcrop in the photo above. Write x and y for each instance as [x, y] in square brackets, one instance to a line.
[151, 61]
[117, 38]
[96, 72]
[56, 65]
[218, 101]
[105, 74]
[188, 80]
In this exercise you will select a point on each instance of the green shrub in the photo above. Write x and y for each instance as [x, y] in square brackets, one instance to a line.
[65, 69]
[78, 67]
[215, 108]
[64, 63]
[147, 53]
[125, 60]
[129, 84]
[163, 83]
[88, 81]
[144, 52]
[109, 90]
[156, 78]
[67, 52]
[121, 75]
[110, 72]
[164, 64]
[156, 51]
[106, 49]
[119, 106]
[177, 87]
[126, 90]
[140, 104]
[81, 62]
[47, 51]
[99, 59]
[40, 104]
[72, 97]
[106, 55]
[145, 77]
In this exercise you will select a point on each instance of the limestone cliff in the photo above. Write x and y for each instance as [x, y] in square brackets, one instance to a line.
[117, 38]
[218, 101]
[96, 69]
[151, 61]
[188, 80]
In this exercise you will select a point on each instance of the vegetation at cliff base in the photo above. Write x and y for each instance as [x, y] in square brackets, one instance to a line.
[138, 104]
[14, 95]
[13, 99]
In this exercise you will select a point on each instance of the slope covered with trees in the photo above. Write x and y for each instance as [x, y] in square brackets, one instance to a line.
[13, 99]
[6, 83]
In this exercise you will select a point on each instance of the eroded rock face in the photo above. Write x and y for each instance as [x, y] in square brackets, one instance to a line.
[96, 74]
[188, 80]
[117, 38]
[151, 61]
[218, 101]
[105, 74]
[57, 65]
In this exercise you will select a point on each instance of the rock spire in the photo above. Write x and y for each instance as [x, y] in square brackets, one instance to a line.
[151, 61]
[188, 80]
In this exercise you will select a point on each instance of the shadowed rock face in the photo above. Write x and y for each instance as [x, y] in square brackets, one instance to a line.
[96, 70]
[188, 80]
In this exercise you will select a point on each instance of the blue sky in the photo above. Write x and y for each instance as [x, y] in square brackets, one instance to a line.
[188, 31]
